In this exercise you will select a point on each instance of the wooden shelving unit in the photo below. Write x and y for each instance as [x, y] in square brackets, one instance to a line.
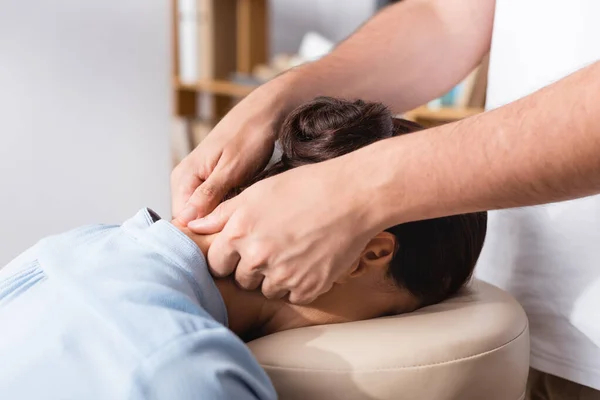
[430, 117]
[217, 87]
[251, 41]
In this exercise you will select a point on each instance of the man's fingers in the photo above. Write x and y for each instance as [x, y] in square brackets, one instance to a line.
[182, 187]
[308, 292]
[301, 297]
[273, 290]
[203, 201]
[215, 221]
[248, 276]
[222, 257]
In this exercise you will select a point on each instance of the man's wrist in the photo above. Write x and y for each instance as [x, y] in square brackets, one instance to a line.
[271, 103]
[384, 196]
[294, 88]
[363, 184]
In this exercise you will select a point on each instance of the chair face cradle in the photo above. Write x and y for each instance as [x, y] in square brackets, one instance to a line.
[471, 347]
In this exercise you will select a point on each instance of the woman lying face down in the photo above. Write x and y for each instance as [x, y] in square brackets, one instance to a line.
[131, 311]
[406, 267]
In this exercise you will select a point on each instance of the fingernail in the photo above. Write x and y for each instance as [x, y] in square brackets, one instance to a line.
[188, 214]
[197, 223]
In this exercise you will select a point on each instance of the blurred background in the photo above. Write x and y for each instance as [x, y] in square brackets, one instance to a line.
[100, 99]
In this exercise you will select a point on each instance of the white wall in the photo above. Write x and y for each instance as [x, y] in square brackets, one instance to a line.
[334, 19]
[84, 114]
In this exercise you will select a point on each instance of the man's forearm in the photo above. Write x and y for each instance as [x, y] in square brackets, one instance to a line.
[540, 149]
[405, 56]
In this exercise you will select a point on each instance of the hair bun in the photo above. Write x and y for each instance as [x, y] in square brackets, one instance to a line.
[327, 127]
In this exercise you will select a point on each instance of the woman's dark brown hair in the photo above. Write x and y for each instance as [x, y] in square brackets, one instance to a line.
[434, 258]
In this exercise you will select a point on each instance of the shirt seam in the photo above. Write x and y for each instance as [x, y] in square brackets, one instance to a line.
[19, 274]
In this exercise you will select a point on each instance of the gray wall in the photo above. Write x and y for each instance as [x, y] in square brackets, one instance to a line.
[334, 19]
[84, 114]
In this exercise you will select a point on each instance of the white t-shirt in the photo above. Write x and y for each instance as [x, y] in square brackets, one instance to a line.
[548, 256]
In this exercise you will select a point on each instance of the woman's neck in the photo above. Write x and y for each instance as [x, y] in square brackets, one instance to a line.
[250, 314]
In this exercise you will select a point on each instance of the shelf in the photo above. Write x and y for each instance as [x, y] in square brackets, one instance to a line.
[221, 87]
[237, 90]
[251, 30]
[442, 114]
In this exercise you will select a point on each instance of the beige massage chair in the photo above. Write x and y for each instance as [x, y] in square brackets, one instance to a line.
[474, 346]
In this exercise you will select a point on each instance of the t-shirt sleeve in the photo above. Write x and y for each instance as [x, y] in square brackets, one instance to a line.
[208, 364]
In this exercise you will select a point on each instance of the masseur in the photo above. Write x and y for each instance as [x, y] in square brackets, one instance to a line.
[540, 144]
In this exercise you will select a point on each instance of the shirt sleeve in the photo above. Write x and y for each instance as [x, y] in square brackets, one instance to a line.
[208, 364]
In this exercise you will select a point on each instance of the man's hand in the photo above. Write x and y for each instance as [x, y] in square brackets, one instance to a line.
[371, 65]
[296, 232]
[236, 149]
[231, 153]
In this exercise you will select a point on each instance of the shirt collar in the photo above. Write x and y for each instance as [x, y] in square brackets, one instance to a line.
[176, 246]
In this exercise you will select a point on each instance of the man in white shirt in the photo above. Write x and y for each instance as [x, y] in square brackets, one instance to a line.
[540, 144]
[548, 256]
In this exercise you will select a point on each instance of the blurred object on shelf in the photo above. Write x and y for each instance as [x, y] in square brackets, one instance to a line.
[429, 117]
[464, 100]
[212, 40]
[470, 92]
[280, 63]
[206, 39]
[435, 104]
[217, 64]
[459, 96]
[313, 47]
[246, 80]
[222, 88]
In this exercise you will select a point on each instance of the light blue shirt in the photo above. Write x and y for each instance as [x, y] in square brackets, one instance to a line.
[120, 312]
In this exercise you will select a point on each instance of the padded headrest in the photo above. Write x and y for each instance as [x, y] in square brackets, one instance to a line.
[471, 347]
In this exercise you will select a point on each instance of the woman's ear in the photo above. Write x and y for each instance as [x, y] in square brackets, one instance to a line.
[378, 253]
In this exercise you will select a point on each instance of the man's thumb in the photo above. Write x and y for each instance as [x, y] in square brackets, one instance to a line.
[210, 193]
[204, 200]
[215, 221]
